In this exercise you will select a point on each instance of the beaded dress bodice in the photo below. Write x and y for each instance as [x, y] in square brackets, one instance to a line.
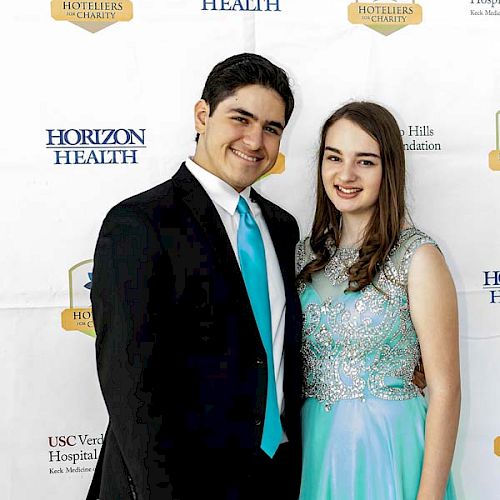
[362, 344]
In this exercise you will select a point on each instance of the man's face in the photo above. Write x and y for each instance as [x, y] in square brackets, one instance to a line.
[240, 141]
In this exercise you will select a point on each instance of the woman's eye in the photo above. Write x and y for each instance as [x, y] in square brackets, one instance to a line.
[367, 163]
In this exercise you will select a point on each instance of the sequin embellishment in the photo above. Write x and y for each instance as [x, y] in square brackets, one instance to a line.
[360, 344]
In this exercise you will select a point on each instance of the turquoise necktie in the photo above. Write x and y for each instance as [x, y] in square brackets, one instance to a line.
[253, 268]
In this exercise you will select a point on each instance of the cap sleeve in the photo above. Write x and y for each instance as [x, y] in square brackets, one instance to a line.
[303, 255]
[410, 243]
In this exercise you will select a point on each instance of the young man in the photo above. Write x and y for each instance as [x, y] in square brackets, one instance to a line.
[197, 320]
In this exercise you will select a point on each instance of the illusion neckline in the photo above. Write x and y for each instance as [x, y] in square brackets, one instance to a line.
[356, 249]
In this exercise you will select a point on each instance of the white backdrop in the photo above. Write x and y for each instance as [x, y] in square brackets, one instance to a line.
[441, 78]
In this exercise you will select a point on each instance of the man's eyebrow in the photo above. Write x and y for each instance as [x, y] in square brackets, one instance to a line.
[246, 113]
[335, 150]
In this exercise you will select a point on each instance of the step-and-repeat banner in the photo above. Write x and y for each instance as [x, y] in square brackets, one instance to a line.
[97, 104]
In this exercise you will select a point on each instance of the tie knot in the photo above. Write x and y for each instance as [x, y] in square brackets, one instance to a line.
[243, 207]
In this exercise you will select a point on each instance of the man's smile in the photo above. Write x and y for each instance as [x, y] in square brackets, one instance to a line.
[244, 156]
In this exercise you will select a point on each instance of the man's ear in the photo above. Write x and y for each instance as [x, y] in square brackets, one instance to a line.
[201, 114]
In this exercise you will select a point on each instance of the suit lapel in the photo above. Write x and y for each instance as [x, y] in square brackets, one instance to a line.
[281, 244]
[206, 216]
[205, 213]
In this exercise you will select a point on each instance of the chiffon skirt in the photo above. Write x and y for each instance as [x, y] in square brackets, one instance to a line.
[364, 450]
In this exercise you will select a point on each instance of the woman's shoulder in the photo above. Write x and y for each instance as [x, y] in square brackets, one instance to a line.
[303, 254]
[410, 240]
[413, 236]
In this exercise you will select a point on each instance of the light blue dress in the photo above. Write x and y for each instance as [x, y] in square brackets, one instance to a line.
[363, 420]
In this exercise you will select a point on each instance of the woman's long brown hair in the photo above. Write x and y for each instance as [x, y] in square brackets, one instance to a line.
[385, 224]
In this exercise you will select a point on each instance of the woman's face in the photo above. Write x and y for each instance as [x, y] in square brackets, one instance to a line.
[351, 169]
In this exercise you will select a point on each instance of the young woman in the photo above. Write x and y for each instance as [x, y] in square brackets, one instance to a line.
[377, 297]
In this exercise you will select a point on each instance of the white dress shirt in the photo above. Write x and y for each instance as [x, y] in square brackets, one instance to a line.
[225, 199]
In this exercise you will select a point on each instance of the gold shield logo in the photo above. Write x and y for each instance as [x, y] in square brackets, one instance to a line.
[385, 18]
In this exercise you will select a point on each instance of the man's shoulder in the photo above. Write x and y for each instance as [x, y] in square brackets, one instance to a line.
[140, 210]
[160, 195]
[153, 200]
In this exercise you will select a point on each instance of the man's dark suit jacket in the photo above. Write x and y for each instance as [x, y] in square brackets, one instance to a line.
[180, 361]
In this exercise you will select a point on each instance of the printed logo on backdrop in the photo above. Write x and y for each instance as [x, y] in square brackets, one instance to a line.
[91, 16]
[491, 285]
[385, 18]
[79, 315]
[242, 5]
[278, 167]
[98, 146]
[484, 7]
[494, 157]
[420, 137]
[74, 453]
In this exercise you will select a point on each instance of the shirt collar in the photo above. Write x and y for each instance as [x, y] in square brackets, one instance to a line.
[219, 191]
